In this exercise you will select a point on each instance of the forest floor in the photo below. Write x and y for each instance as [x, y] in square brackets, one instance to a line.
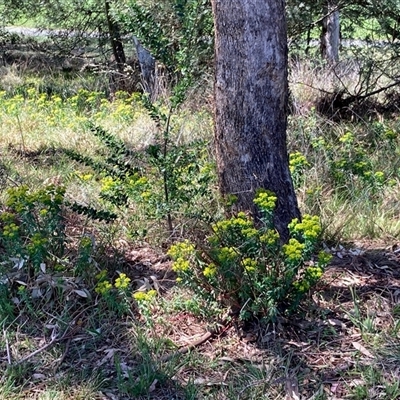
[345, 345]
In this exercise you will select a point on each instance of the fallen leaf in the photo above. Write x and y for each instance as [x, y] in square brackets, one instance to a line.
[38, 376]
[334, 387]
[109, 354]
[155, 283]
[152, 387]
[292, 388]
[336, 322]
[226, 359]
[111, 396]
[356, 382]
[19, 262]
[362, 349]
[143, 285]
[82, 293]
[298, 344]
[356, 252]
[36, 293]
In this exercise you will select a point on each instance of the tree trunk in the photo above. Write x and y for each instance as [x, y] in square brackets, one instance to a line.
[115, 37]
[147, 67]
[251, 93]
[118, 82]
[330, 35]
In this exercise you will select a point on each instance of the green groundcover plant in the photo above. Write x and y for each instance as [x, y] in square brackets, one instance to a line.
[39, 269]
[244, 266]
[32, 228]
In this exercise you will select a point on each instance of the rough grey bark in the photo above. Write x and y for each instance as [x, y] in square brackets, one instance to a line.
[147, 67]
[251, 93]
[330, 35]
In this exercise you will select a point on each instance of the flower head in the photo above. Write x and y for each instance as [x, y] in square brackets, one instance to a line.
[103, 287]
[180, 265]
[270, 238]
[210, 271]
[250, 265]
[297, 162]
[183, 250]
[265, 200]
[144, 296]
[309, 228]
[122, 282]
[293, 250]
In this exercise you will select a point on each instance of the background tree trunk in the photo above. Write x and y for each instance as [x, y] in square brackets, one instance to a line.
[115, 37]
[330, 35]
[118, 80]
[251, 92]
[147, 67]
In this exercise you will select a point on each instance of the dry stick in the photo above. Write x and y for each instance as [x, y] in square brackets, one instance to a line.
[61, 360]
[185, 349]
[190, 346]
[21, 133]
[53, 341]
[165, 173]
[7, 347]
[45, 347]
[40, 349]
[352, 98]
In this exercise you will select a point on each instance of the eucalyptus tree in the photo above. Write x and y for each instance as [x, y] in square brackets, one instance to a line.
[306, 17]
[330, 35]
[251, 94]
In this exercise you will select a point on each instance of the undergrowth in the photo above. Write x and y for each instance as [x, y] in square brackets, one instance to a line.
[245, 267]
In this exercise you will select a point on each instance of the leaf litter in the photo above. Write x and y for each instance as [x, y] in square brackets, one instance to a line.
[322, 352]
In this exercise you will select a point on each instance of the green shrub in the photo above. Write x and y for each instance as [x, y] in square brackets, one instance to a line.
[115, 297]
[36, 257]
[298, 164]
[165, 182]
[32, 229]
[244, 266]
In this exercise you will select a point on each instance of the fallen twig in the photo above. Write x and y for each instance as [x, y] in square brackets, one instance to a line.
[67, 335]
[204, 338]
[37, 351]
[64, 355]
[7, 347]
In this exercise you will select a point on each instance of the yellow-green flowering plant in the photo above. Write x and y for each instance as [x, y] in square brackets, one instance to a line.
[245, 267]
[165, 182]
[34, 245]
[84, 262]
[297, 164]
[32, 228]
[115, 296]
[144, 300]
[353, 165]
